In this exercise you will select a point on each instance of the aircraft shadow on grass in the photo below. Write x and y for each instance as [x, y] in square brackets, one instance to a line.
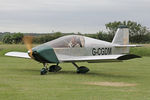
[95, 74]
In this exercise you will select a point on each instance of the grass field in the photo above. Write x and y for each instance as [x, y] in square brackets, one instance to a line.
[20, 79]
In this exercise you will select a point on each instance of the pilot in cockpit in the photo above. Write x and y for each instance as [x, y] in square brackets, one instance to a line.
[75, 42]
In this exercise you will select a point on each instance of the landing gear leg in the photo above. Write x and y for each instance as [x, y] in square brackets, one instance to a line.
[44, 70]
[81, 69]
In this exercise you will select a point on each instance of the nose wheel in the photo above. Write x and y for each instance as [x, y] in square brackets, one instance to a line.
[43, 71]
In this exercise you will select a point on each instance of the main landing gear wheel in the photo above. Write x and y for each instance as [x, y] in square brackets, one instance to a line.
[54, 68]
[82, 69]
[43, 71]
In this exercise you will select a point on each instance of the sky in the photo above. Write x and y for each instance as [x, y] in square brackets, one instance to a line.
[85, 16]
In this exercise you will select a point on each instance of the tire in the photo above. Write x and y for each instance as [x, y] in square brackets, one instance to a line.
[82, 70]
[54, 68]
[43, 71]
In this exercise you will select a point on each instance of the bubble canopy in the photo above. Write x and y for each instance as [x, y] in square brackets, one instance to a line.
[70, 41]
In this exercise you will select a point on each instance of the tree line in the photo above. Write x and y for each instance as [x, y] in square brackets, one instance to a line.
[138, 34]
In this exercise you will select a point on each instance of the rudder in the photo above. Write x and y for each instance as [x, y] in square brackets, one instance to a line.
[122, 36]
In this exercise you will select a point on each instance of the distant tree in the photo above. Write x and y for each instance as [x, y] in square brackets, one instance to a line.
[137, 31]
[7, 39]
[17, 38]
[12, 38]
[47, 37]
[112, 27]
[57, 35]
[91, 35]
[104, 36]
[134, 27]
[78, 33]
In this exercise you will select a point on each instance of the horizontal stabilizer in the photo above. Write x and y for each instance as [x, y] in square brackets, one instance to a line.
[122, 46]
[18, 54]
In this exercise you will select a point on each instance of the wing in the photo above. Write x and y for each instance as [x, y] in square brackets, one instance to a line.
[102, 58]
[18, 54]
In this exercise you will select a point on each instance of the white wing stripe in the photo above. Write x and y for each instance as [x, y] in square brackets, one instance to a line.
[63, 58]
[18, 54]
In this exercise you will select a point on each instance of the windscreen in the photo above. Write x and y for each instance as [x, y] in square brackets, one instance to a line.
[71, 41]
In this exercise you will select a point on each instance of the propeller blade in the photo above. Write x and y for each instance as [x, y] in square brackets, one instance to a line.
[28, 42]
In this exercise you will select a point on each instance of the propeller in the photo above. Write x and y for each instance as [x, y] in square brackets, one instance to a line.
[28, 42]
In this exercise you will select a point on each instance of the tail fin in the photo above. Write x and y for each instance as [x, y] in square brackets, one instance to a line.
[121, 39]
[122, 36]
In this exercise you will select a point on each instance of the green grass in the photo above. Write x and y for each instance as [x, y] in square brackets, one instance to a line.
[141, 51]
[20, 79]
[4, 48]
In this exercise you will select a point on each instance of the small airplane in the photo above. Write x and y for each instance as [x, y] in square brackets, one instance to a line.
[76, 48]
